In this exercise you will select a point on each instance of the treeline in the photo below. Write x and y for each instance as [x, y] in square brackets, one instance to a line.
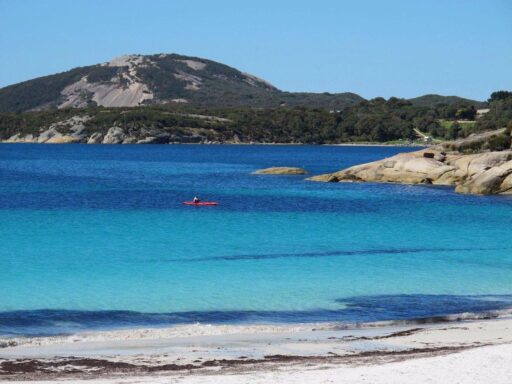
[376, 120]
[500, 112]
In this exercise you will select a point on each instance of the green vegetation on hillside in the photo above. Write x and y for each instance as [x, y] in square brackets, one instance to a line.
[438, 100]
[173, 78]
[198, 82]
[376, 120]
[500, 111]
[46, 91]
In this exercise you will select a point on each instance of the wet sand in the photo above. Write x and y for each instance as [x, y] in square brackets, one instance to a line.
[312, 353]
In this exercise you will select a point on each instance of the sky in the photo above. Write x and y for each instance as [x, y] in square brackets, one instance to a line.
[402, 48]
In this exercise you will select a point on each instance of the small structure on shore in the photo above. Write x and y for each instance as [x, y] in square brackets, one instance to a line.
[426, 139]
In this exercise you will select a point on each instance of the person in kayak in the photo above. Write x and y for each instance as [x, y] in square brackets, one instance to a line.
[196, 200]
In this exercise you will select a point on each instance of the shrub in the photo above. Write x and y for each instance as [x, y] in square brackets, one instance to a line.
[500, 142]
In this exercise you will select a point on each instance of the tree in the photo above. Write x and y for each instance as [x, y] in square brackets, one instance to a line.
[453, 131]
[466, 113]
[499, 95]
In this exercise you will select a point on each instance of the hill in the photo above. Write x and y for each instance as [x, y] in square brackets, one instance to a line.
[170, 98]
[433, 100]
[136, 80]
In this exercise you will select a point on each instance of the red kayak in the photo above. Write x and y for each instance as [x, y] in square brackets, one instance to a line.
[200, 203]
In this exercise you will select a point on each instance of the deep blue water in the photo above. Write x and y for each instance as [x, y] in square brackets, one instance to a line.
[96, 237]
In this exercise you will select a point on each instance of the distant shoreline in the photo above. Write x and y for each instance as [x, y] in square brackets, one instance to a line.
[377, 145]
[370, 144]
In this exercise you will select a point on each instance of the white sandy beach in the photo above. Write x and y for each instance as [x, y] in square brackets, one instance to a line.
[455, 352]
[491, 364]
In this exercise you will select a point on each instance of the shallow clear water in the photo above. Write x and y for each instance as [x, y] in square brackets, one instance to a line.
[96, 237]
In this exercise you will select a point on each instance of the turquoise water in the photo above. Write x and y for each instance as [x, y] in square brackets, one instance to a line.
[96, 237]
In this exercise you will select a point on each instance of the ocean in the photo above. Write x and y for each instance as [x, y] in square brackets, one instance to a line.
[95, 237]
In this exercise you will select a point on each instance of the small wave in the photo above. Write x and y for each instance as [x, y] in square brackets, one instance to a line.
[198, 329]
[417, 309]
[466, 316]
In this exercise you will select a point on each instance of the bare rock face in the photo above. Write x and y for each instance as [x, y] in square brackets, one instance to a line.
[78, 132]
[115, 135]
[96, 138]
[490, 180]
[74, 133]
[506, 185]
[480, 162]
[14, 139]
[71, 130]
[483, 173]
[234, 140]
[64, 139]
[281, 171]
[406, 168]
[18, 138]
[160, 139]
[48, 134]
[125, 90]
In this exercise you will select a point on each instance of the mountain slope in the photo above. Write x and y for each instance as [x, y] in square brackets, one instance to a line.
[135, 80]
[433, 100]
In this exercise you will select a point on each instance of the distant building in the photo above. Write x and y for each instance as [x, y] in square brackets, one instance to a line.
[426, 139]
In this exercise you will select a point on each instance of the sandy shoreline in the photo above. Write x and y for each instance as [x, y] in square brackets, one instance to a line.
[255, 353]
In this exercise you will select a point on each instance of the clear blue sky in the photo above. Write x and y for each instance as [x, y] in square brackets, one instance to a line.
[375, 48]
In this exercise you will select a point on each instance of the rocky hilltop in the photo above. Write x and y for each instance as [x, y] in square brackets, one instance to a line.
[483, 172]
[135, 80]
[141, 80]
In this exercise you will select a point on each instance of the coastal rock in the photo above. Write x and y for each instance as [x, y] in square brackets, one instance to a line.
[96, 138]
[480, 162]
[235, 139]
[195, 139]
[406, 168]
[50, 133]
[72, 130]
[488, 181]
[147, 140]
[52, 136]
[129, 140]
[18, 138]
[281, 171]
[483, 173]
[441, 156]
[158, 139]
[13, 139]
[78, 132]
[506, 185]
[64, 139]
[115, 135]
